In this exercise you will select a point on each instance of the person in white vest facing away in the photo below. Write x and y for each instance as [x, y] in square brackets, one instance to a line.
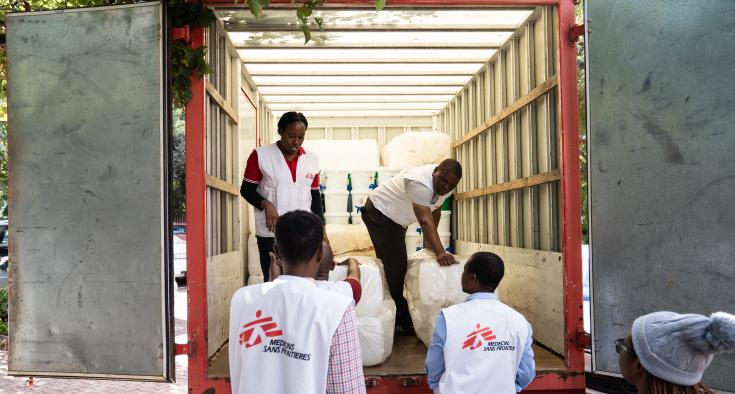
[412, 196]
[481, 345]
[279, 178]
[288, 335]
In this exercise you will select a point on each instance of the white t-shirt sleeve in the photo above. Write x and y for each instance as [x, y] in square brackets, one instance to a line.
[418, 192]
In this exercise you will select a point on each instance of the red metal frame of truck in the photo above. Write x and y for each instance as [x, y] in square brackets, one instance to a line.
[568, 381]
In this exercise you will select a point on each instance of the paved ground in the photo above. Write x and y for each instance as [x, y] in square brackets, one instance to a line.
[44, 385]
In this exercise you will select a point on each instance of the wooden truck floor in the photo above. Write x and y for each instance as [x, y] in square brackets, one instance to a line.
[407, 358]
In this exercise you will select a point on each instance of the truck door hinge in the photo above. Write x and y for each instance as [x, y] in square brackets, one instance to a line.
[583, 339]
[575, 31]
[184, 348]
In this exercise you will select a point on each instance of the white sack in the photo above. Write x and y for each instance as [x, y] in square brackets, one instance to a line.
[376, 334]
[255, 279]
[253, 257]
[371, 281]
[345, 154]
[416, 148]
[430, 287]
[347, 238]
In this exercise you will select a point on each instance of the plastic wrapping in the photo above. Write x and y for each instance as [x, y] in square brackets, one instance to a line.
[416, 148]
[371, 280]
[255, 279]
[345, 154]
[430, 287]
[253, 257]
[376, 311]
[348, 238]
[376, 334]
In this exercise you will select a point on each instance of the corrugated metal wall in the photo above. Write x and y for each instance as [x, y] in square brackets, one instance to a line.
[506, 132]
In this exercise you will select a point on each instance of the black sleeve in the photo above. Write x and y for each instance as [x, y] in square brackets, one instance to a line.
[250, 194]
[316, 204]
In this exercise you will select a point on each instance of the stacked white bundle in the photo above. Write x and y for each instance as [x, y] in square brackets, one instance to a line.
[416, 148]
[348, 238]
[430, 287]
[253, 256]
[345, 154]
[376, 311]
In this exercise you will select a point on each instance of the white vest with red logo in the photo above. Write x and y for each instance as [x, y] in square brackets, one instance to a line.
[484, 346]
[278, 186]
[280, 336]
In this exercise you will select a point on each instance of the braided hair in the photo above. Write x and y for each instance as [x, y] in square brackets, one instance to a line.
[660, 386]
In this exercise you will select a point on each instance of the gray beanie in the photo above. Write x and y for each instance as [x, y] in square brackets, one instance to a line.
[678, 348]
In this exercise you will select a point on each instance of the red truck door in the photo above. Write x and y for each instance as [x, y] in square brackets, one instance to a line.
[90, 291]
[662, 219]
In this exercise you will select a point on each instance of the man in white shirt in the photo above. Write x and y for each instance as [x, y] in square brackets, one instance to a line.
[411, 196]
[303, 337]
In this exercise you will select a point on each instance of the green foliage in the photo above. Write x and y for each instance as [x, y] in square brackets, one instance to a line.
[186, 61]
[183, 14]
[379, 4]
[582, 118]
[4, 304]
[178, 165]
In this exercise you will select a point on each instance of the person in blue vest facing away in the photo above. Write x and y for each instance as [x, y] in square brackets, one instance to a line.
[279, 178]
[481, 345]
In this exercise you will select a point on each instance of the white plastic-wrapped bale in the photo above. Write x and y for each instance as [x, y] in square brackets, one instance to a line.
[376, 334]
[376, 311]
[348, 238]
[430, 287]
[255, 279]
[253, 257]
[416, 148]
[345, 154]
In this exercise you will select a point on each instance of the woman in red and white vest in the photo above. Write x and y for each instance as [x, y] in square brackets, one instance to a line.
[279, 178]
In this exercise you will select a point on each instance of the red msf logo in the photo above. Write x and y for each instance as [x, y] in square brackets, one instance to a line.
[309, 175]
[266, 325]
[475, 338]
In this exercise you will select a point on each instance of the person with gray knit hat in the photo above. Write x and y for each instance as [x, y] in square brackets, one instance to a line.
[667, 352]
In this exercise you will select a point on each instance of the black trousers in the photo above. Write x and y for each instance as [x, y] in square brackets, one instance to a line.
[265, 246]
[389, 240]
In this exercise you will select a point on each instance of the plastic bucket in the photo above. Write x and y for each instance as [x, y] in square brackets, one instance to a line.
[337, 217]
[362, 180]
[335, 201]
[415, 241]
[445, 223]
[334, 180]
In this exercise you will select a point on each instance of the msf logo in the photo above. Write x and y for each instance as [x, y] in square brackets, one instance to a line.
[265, 326]
[475, 339]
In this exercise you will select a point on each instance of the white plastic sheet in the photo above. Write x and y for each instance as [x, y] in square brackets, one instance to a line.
[376, 311]
[376, 334]
[255, 279]
[416, 148]
[345, 154]
[348, 238]
[430, 287]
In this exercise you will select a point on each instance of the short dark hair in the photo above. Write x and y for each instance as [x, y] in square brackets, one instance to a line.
[298, 236]
[487, 267]
[291, 117]
[451, 166]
